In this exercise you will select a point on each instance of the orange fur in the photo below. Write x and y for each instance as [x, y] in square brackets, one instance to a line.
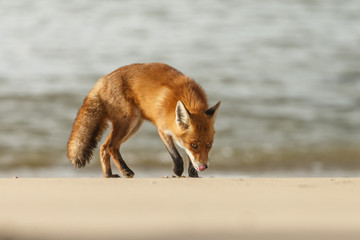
[136, 92]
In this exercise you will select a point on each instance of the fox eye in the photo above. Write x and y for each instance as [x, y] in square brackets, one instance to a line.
[194, 145]
[208, 146]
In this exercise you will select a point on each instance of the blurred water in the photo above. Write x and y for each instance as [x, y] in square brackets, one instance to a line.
[287, 72]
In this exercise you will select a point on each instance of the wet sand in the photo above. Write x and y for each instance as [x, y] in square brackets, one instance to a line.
[182, 208]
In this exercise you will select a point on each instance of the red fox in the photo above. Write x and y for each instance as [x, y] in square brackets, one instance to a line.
[173, 102]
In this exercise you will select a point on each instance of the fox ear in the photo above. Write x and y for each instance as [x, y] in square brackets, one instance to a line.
[213, 110]
[182, 115]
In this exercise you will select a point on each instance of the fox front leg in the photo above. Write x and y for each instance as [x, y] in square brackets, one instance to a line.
[191, 170]
[177, 159]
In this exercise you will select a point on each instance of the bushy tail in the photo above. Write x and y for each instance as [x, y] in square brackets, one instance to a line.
[88, 127]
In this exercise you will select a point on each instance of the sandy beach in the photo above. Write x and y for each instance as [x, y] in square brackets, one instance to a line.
[181, 208]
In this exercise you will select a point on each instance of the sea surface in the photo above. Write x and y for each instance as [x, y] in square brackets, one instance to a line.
[287, 73]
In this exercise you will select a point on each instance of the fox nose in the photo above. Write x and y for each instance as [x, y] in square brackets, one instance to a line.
[202, 167]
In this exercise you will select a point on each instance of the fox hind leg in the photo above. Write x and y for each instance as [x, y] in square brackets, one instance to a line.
[115, 139]
[121, 165]
[105, 160]
[120, 133]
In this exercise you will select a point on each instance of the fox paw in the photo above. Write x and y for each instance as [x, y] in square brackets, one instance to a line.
[128, 173]
[178, 170]
[114, 176]
[193, 174]
[173, 176]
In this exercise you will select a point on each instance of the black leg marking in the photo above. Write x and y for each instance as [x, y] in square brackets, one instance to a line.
[177, 159]
[125, 170]
[191, 170]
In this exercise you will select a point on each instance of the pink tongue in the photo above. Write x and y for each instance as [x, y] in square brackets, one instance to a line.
[202, 167]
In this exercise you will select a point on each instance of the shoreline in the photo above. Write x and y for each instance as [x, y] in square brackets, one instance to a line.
[68, 171]
[177, 208]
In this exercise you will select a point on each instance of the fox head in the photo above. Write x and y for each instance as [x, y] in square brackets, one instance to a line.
[196, 133]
